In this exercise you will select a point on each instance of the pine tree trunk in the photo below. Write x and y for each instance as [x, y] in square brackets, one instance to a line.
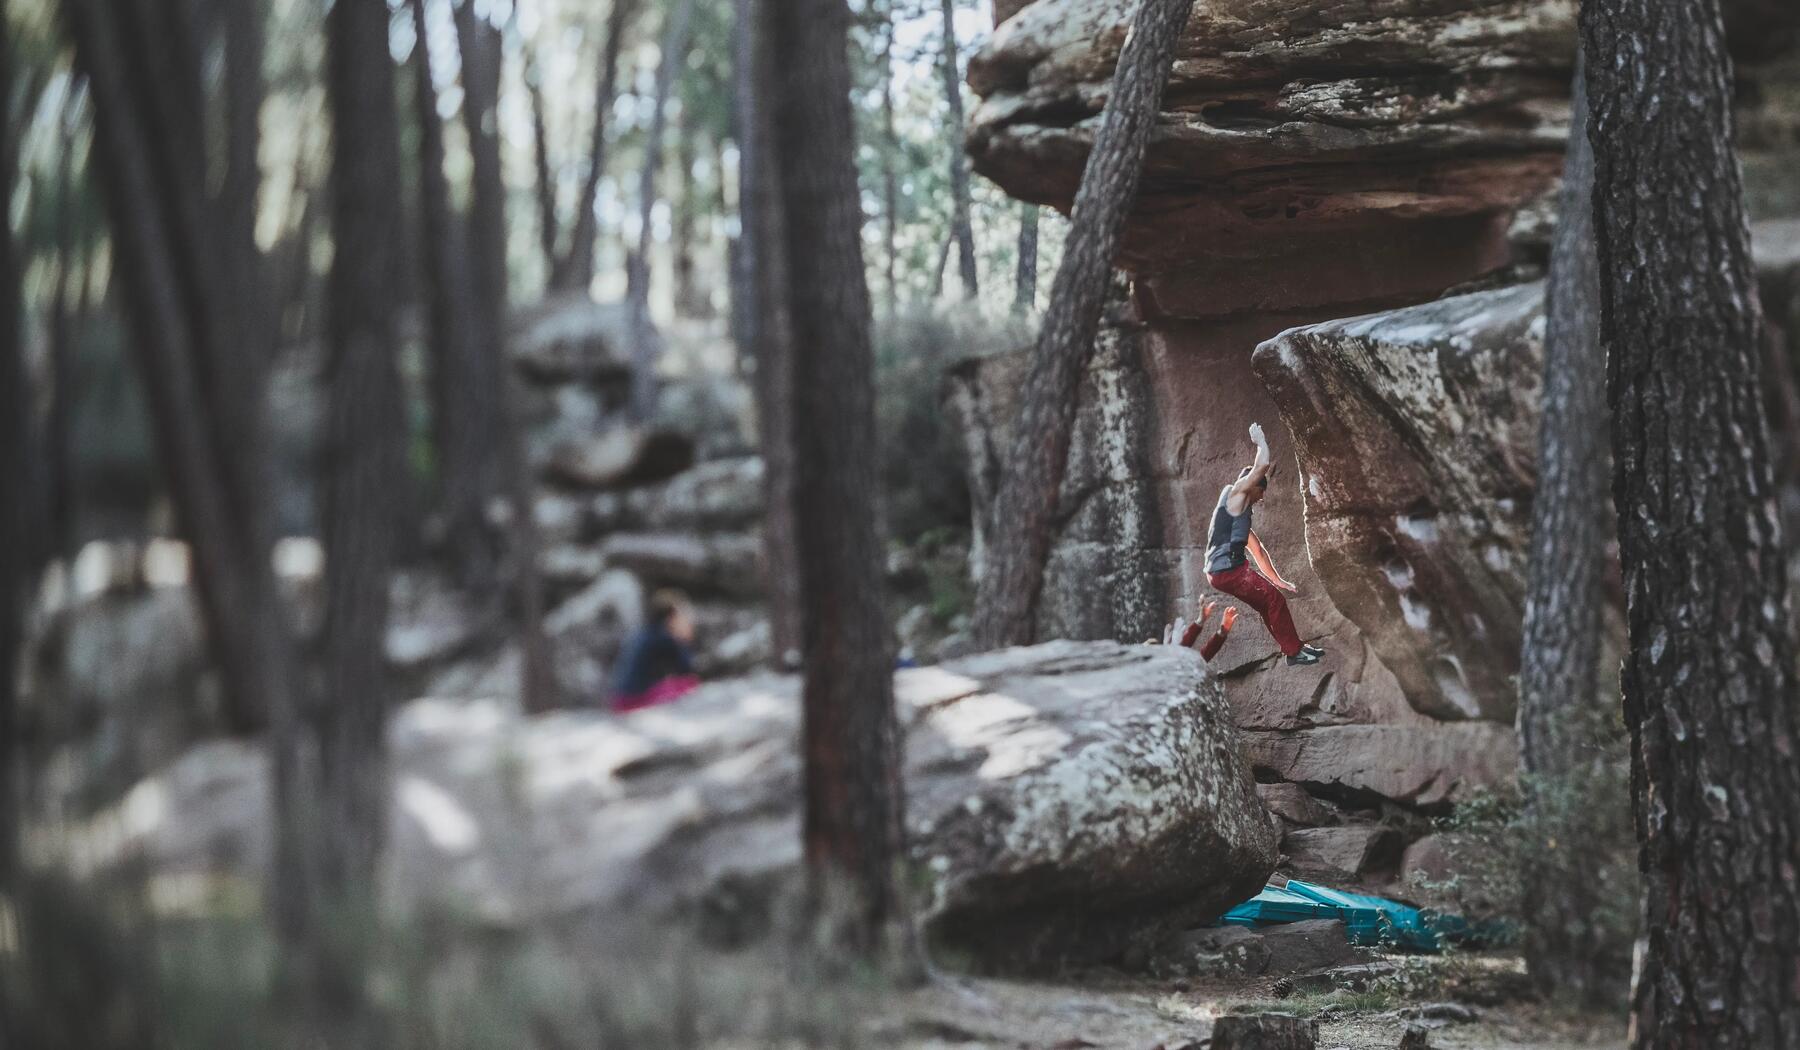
[1007, 594]
[961, 228]
[483, 391]
[890, 173]
[546, 179]
[1025, 284]
[687, 298]
[1709, 679]
[362, 462]
[198, 365]
[577, 269]
[1560, 660]
[15, 403]
[852, 823]
[765, 331]
[646, 348]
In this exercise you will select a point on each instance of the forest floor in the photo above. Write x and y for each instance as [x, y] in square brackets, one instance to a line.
[1102, 1012]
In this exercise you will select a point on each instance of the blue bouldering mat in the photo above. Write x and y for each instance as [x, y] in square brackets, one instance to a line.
[1368, 921]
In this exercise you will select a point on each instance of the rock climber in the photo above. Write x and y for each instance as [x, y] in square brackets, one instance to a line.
[657, 663]
[1186, 634]
[1232, 546]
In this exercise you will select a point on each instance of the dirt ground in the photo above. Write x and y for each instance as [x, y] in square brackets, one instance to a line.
[1468, 1003]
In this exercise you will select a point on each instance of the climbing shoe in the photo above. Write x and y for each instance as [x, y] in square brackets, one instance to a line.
[1313, 649]
[1302, 658]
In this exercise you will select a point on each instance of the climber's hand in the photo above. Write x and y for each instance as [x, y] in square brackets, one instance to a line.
[1257, 438]
[1231, 615]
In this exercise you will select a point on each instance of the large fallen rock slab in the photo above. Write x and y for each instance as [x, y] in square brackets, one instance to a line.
[1065, 803]
[1420, 766]
[1416, 433]
[620, 458]
[729, 563]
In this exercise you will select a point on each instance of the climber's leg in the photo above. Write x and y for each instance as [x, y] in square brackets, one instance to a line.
[1217, 641]
[1261, 595]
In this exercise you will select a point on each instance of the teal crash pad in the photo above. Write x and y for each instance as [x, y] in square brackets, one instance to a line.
[1368, 921]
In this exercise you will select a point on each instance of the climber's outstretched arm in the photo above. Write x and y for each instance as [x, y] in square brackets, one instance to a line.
[1258, 466]
[1265, 565]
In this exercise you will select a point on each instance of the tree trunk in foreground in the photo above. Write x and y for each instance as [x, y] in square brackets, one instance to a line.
[362, 462]
[646, 348]
[763, 321]
[196, 364]
[852, 823]
[577, 269]
[961, 227]
[1559, 663]
[482, 388]
[1007, 595]
[15, 403]
[1709, 680]
[1025, 282]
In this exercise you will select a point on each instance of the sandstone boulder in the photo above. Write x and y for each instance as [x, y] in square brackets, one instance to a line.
[1286, 123]
[729, 563]
[1418, 766]
[572, 339]
[1104, 576]
[1350, 854]
[1065, 802]
[620, 457]
[1416, 433]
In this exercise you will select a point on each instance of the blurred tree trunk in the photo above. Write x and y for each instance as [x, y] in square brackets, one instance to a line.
[890, 173]
[548, 226]
[646, 348]
[1559, 663]
[577, 269]
[1007, 594]
[852, 824]
[363, 463]
[763, 319]
[961, 227]
[483, 388]
[1709, 679]
[15, 401]
[63, 323]
[201, 364]
[1025, 284]
[687, 204]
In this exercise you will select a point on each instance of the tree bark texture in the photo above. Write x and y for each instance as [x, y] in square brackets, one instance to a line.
[548, 226]
[766, 335]
[1025, 282]
[646, 347]
[577, 269]
[1007, 594]
[15, 401]
[363, 461]
[481, 388]
[890, 173]
[961, 227]
[1565, 586]
[200, 366]
[1709, 679]
[852, 821]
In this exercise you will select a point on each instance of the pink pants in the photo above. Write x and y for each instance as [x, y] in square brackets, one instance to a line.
[661, 693]
[1245, 583]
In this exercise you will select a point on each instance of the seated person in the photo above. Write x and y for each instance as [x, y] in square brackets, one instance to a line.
[657, 663]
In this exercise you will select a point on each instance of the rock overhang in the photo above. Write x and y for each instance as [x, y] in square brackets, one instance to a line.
[1289, 126]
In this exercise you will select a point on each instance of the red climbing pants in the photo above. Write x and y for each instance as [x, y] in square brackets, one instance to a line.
[1243, 582]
